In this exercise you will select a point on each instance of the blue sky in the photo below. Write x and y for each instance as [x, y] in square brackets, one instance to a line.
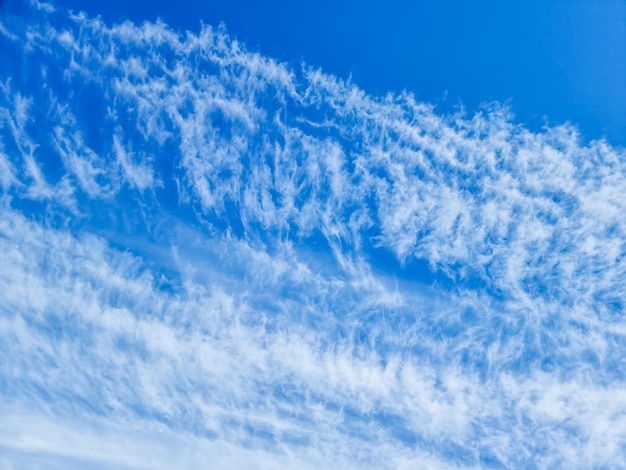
[216, 256]
[552, 61]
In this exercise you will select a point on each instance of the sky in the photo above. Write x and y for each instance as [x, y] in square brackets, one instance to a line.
[552, 62]
[313, 236]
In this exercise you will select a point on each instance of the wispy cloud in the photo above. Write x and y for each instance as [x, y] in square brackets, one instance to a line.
[240, 264]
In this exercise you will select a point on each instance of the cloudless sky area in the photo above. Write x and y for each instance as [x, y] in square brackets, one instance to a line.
[552, 61]
[329, 235]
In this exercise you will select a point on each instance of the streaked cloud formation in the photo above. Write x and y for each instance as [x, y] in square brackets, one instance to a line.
[212, 259]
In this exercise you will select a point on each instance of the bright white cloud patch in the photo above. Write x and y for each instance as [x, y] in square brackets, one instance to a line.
[211, 259]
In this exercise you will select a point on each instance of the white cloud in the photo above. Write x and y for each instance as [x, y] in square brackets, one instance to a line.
[216, 280]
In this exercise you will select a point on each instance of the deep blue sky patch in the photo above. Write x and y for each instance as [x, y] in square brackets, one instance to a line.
[551, 61]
